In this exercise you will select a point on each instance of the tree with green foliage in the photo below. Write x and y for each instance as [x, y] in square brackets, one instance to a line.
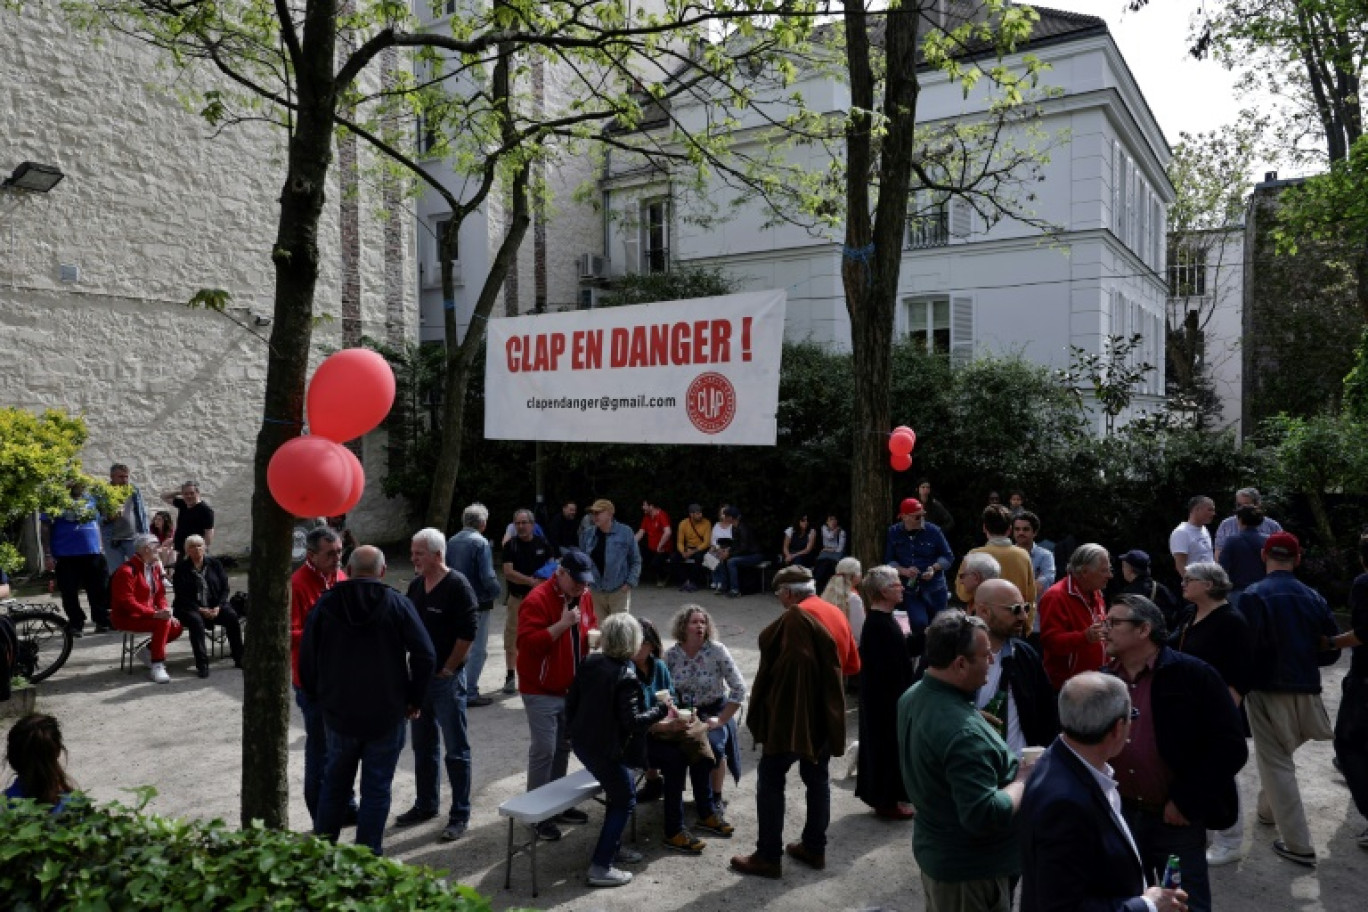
[1113, 374]
[888, 154]
[320, 68]
[1316, 457]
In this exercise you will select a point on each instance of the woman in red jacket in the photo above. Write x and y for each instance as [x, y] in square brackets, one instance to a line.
[137, 604]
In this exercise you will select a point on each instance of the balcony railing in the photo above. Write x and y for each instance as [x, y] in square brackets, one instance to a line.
[931, 229]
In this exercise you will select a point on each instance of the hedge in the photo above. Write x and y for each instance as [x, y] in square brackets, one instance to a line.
[111, 857]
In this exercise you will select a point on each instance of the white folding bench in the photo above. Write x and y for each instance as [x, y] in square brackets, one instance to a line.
[541, 804]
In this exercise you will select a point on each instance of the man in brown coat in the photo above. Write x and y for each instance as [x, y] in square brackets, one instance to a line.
[797, 711]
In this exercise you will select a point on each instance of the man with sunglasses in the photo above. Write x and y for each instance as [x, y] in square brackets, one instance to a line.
[1176, 772]
[1017, 699]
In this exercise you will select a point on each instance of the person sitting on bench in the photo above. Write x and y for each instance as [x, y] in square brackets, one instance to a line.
[201, 600]
[137, 604]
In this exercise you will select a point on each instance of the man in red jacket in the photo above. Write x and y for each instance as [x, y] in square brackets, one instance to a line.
[1071, 613]
[553, 623]
[137, 603]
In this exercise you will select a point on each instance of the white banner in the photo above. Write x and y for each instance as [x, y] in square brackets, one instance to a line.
[704, 370]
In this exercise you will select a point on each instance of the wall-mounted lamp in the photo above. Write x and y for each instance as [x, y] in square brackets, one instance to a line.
[33, 177]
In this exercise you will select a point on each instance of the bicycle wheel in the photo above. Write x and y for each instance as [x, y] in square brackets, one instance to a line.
[44, 643]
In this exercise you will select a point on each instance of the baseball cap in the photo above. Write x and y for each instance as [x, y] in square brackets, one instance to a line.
[732, 513]
[793, 573]
[1282, 546]
[1137, 559]
[910, 505]
[600, 505]
[576, 563]
[695, 508]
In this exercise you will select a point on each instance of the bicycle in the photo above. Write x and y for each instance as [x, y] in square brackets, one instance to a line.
[45, 639]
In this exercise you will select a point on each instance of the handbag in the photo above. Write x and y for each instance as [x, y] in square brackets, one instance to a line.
[710, 561]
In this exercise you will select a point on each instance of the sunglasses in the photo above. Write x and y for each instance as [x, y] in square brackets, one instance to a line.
[1109, 623]
[1020, 609]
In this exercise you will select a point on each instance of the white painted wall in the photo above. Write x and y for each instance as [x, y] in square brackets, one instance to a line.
[152, 209]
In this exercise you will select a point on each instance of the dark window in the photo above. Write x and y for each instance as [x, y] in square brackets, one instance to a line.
[656, 232]
[1187, 273]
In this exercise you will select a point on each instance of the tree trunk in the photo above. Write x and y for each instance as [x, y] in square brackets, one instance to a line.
[459, 358]
[873, 257]
[266, 677]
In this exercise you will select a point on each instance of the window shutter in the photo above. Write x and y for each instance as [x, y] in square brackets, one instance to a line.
[961, 218]
[961, 331]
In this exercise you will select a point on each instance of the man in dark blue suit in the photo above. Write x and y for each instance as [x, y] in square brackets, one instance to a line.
[1077, 852]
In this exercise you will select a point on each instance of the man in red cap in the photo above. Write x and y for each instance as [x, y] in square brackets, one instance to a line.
[1287, 620]
[921, 554]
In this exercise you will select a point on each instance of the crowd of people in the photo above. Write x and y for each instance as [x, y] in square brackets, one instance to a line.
[1037, 720]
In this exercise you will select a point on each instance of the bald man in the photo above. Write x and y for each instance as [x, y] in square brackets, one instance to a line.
[1017, 700]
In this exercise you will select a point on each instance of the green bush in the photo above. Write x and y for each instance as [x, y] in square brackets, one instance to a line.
[115, 858]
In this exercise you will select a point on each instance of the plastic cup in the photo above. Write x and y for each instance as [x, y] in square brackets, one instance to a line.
[662, 696]
[685, 714]
[595, 636]
[1032, 754]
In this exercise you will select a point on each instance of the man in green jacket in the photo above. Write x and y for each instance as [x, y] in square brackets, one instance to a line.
[963, 779]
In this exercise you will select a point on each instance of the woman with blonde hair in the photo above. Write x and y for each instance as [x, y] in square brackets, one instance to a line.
[844, 592]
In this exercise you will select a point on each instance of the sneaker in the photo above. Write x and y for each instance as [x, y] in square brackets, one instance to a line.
[609, 877]
[660, 584]
[158, 673]
[202, 669]
[144, 656]
[719, 590]
[754, 864]
[548, 831]
[684, 843]
[1305, 859]
[103, 628]
[715, 824]
[510, 684]
[1362, 839]
[573, 815]
[735, 593]
[651, 790]
[480, 700]
[453, 831]
[1219, 855]
[628, 856]
[413, 816]
[77, 633]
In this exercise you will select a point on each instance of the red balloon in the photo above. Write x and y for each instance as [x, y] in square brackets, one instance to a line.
[358, 486]
[900, 462]
[311, 476]
[350, 394]
[903, 429]
[900, 443]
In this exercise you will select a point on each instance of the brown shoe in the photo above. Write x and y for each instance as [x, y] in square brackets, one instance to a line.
[754, 864]
[798, 851]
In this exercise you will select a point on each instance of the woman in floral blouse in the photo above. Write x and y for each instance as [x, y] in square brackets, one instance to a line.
[706, 678]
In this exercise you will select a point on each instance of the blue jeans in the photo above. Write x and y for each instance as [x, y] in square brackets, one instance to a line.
[315, 755]
[479, 651]
[377, 757]
[444, 710]
[769, 803]
[922, 604]
[620, 797]
[1157, 840]
[727, 573]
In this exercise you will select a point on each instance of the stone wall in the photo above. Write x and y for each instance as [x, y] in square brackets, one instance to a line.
[154, 207]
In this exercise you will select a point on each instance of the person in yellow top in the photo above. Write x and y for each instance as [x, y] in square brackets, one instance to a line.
[1014, 561]
[691, 545]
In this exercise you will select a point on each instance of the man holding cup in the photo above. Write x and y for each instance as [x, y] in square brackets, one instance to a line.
[552, 621]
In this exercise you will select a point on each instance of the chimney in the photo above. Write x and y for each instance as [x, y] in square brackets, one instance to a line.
[1270, 176]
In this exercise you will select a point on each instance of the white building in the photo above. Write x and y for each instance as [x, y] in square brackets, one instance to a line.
[966, 288]
[1206, 293]
[95, 275]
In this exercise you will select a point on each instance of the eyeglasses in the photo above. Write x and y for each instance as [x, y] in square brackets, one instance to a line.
[1133, 714]
[1194, 579]
[522, 522]
[1109, 623]
[1020, 609]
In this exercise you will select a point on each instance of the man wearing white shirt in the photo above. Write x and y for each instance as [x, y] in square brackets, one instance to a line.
[1077, 851]
[1190, 543]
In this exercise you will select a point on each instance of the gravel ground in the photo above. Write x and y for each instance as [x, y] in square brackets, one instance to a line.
[185, 739]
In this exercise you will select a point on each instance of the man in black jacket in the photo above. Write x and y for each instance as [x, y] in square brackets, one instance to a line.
[366, 660]
[1017, 700]
[1176, 773]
